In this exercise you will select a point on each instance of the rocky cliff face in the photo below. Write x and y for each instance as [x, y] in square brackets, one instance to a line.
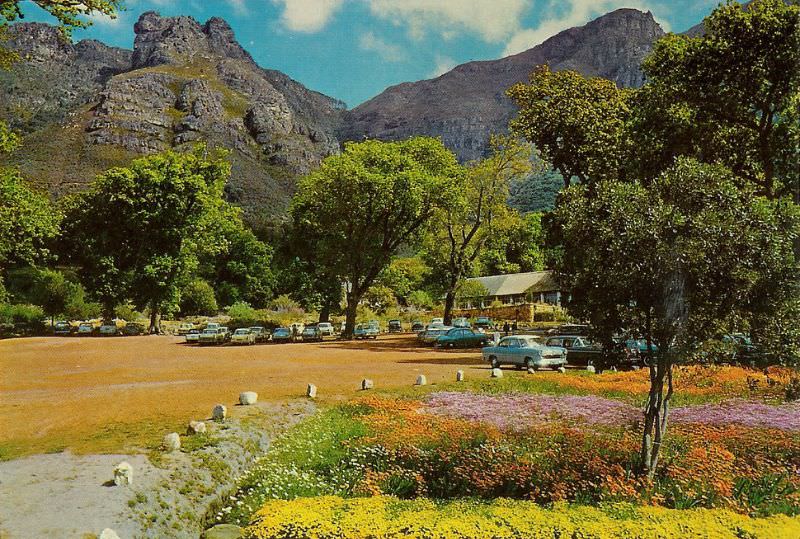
[184, 82]
[467, 104]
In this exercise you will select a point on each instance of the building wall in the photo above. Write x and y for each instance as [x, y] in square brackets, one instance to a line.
[528, 312]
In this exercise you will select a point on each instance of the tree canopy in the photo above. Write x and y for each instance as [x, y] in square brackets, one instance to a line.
[361, 206]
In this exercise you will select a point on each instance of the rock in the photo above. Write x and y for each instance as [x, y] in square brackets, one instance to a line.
[459, 376]
[196, 427]
[531, 370]
[366, 383]
[311, 391]
[108, 533]
[172, 442]
[123, 474]
[223, 531]
[219, 413]
[421, 380]
[247, 398]
[562, 370]
[497, 373]
[636, 367]
[591, 369]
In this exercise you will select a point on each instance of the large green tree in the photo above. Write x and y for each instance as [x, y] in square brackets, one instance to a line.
[731, 95]
[134, 233]
[359, 208]
[577, 123]
[458, 231]
[674, 270]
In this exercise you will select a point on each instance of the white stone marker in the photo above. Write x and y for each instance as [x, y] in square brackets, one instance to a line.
[247, 398]
[196, 427]
[459, 376]
[108, 533]
[219, 412]
[421, 380]
[123, 474]
[591, 369]
[497, 373]
[311, 391]
[562, 370]
[366, 383]
[172, 442]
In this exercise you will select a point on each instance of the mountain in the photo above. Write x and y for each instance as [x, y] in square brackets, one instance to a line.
[465, 105]
[86, 107]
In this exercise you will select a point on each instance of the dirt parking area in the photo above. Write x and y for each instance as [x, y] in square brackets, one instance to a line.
[103, 395]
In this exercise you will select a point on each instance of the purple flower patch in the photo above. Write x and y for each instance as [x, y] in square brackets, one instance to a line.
[516, 412]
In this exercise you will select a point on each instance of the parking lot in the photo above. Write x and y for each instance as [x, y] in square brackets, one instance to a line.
[109, 394]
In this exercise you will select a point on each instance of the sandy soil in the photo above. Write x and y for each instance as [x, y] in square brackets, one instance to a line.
[118, 395]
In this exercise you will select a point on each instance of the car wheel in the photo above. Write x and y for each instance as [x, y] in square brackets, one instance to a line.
[494, 363]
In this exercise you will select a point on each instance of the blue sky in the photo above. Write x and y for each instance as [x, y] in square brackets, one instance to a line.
[354, 49]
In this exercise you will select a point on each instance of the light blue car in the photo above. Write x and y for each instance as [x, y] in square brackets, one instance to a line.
[525, 351]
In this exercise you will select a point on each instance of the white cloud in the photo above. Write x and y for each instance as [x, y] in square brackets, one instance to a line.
[575, 13]
[443, 65]
[307, 15]
[492, 20]
[388, 51]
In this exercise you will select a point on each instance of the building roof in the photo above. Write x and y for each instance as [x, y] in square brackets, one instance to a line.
[518, 283]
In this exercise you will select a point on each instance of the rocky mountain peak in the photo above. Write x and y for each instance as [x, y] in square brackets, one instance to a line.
[180, 40]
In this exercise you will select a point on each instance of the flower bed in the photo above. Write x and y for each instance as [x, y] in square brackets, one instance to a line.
[388, 518]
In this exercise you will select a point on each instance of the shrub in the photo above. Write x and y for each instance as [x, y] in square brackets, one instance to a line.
[242, 314]
[24, 318]
[388, 518]
[197, 298]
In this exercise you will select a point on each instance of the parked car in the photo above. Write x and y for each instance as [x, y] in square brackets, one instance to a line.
[212, 336]
[85, 329]
[261, 334]
[395, 326]
[581, 351]
[226, 333]
[185, 328]
[429, 336]
[212, 325]
[524, 351]
[193, 336]
[580, 330]
[641, 346]
[243, 336]
[108, 330]
[436, 321]
[282, 335]
[745, 351]
[459, 337]
[311, 334]
[62, 328]
[375, 324]
[326, 328]
[483, 322]
[133, 329]
[365, 331]
[417, 326]
[461, 323]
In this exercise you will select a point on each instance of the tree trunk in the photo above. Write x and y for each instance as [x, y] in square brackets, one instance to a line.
[449, 302]
[656, 412]
[325, 313]
[350, 314]
[154, 320]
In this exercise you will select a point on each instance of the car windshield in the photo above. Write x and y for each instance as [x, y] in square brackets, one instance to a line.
[256, 329]
[242, 332]
[281, 331]
[210, 331]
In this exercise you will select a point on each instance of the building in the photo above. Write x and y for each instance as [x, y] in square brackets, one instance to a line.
[515, 289]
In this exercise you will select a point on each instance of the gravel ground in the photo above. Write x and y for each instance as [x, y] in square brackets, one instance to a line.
[64, 495]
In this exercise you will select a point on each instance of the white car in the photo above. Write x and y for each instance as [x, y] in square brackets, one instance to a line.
[243, 336]
[526, 351]
[326, 328]
[436, 322]
[108, 330]
[86, 329]
[193, 336]
[185, 328]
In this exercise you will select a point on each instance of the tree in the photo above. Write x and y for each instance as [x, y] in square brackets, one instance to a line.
[471, 291]
[52, 292]
[518, 245]
[673, 271]
[420, 300]
[403, 275]
[730, 95]
[68, 13]
[134, 232]
[27, 219]
[360, 207]
[576, 123]
[458, 231]
[197, 298]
